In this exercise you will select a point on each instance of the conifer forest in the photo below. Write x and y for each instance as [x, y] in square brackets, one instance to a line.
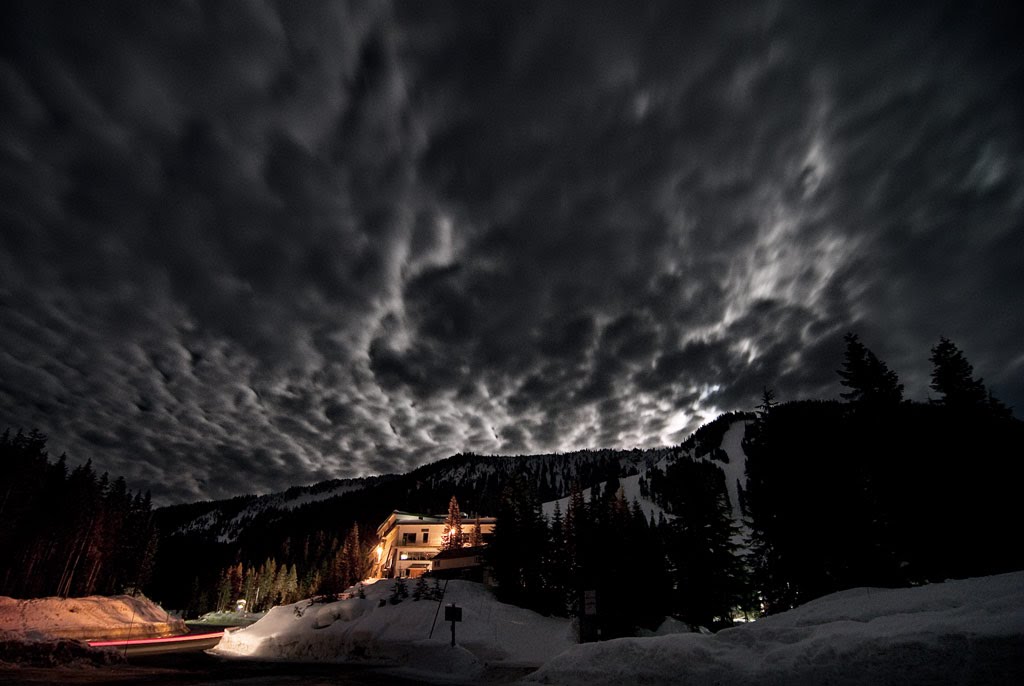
[870, 489]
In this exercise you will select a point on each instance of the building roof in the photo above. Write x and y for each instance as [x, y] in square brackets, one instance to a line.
[405, 517]
[401, 517]
[459, 552]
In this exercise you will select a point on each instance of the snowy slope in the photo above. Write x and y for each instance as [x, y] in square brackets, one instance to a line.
[958, 632]
[734, 470]
[630, 486]
[361, 630]
[226, 523]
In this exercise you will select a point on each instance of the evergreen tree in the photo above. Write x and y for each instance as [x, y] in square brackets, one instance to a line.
[706, 569]
[399, 591]
[870, 380]
[767, 401]
[265, 587]
[952, 378]
[419, 589]
[517, 551]
[556, 567]
[452, 527]
[224, 593]
[249, 588]
[476, 538]
[354, 564]
[290, 585]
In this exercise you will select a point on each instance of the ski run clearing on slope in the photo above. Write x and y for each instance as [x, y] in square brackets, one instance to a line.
[959, 632]
[735, 471]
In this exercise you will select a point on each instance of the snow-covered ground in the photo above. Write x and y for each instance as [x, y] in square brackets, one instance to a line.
[630, 486]
[361, 630]
[228, 529]
[958, 632]
[223, 618]
[94, 617]
[734, 471]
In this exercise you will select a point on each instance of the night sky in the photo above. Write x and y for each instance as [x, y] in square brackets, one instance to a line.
[251, 245]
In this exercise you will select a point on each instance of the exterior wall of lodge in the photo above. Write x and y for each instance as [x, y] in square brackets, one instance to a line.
[408, 543]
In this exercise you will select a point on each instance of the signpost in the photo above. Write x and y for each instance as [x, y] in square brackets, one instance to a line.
[589, 627]
[453, 613]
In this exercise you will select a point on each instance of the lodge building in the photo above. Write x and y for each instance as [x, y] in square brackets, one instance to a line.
[410, 545]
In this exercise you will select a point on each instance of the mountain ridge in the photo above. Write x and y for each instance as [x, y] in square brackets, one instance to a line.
[226, 519]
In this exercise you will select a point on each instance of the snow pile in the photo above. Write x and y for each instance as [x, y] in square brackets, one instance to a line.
[363, 630]
[958, 632]
[225, 618]
[91, 618]
[60, 652]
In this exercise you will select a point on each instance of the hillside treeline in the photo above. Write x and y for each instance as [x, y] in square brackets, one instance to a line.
[870, 490]
[68, 533]
[877, 491]
[313, 538]
[866, 490]
[329, 565]
[602, 560]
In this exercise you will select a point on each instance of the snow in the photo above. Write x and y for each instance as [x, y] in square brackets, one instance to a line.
[630, 486]
[226, 618]
[735, 476]
[958, 632]
[93, 617]
[360, 630]
[15, 655]
[229, 529]
[736, 469]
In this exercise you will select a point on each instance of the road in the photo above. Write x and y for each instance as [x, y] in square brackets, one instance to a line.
[202, 669]
[189, 643]
[182, 660]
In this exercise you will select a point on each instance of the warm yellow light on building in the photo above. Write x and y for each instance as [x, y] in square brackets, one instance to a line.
[380, 552]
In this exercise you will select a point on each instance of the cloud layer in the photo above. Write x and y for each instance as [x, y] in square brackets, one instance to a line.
[247, 245]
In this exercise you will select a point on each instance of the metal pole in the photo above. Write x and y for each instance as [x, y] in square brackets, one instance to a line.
[440, 602]
[130, 625]
[453, 633]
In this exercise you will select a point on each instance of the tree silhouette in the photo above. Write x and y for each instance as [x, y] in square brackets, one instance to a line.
[952, 377]
[452, 527]
[870, 380]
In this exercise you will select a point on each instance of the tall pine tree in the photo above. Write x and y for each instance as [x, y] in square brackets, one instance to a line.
[953, 379]
[452, 536]
[870, 380]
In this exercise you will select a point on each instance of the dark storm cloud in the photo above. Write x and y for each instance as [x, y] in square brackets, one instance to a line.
[247, 245]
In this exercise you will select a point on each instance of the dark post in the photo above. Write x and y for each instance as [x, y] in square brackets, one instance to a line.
[453, 613]
[589, 626]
